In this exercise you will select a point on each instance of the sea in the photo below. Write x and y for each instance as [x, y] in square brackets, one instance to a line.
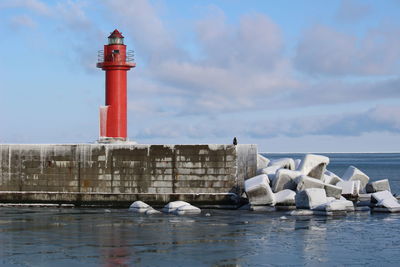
[51, 236]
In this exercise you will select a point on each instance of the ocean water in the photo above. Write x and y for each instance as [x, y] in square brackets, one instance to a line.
[116, 237]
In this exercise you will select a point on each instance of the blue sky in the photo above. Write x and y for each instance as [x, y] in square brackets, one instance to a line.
[290, 76]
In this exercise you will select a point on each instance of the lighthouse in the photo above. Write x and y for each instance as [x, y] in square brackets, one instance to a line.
[115, 61]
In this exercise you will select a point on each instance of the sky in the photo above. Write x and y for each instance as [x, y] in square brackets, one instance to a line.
[289, 76]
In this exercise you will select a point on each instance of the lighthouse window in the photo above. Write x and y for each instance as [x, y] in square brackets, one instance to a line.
[116, 51]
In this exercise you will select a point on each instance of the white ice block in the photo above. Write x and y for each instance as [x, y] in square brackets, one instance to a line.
[262, 162]
[258, 190]
[284, 163]
[354, 174]
[285, 179]
[314, 165]
[310, 198]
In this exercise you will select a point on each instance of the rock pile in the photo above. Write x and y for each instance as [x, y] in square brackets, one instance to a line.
[307, 184]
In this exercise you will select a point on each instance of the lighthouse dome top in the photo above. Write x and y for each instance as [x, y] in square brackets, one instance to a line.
[116, 38]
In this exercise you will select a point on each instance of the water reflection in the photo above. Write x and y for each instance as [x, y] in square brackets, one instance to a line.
[84, 237]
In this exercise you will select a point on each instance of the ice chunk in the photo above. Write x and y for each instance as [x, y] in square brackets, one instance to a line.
[255, 181]
[310, 198]
[172, 206]
[333, 191]
[152, 211]
[139, 206]
[385, 202]
[301, 213]
[270, 171]
[284, 163]
[331, 178]
[258, 190]
[314, 165]
[354, 174]
[377, 186]
[262, 162]
[285, 179]
[337, 205]
[187, 210]
[349, 188]
[305, 182]
[285, 197]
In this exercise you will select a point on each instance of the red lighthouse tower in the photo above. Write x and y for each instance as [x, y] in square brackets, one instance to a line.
[115, 61]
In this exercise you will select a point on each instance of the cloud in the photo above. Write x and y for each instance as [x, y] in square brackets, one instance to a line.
[22, 21]
[325, 51]
[151, 37]
[33, 5]
[353, 10]
[378, 119]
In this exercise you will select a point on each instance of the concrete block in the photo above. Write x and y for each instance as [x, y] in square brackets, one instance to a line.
[305, 182]
[331, 178]
[381, 185]
[314, 166]
[285, 179]
[297, 163]
[270, 171]
[349, 188]
[258, 190]
[336, 205]
[354, 174]
[284, 163]
[333, 191]
[310, 198]
[285, 197]
[384, 201]
[262, 162]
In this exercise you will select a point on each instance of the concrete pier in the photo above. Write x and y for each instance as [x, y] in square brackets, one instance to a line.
[118, 174]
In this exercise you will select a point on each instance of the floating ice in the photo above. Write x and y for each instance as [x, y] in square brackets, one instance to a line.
[172, 206]
[139, 206]
[187, 210]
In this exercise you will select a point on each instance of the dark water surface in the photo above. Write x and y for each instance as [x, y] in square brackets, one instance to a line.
[99, 237]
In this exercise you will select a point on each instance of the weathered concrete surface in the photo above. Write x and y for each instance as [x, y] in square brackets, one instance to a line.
[120, 174]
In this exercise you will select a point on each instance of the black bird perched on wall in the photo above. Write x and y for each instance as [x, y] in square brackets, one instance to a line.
[234, 141]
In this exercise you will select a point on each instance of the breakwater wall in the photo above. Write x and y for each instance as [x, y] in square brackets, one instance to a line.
[118, 174]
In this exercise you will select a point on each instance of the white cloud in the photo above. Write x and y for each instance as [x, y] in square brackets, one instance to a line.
[324, 50]
[36, 6]
[353, 10]
[22, 21]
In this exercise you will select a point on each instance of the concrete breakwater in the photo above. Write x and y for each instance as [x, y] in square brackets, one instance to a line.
[119, 174]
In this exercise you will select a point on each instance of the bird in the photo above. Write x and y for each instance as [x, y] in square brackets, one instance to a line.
[235, 141]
